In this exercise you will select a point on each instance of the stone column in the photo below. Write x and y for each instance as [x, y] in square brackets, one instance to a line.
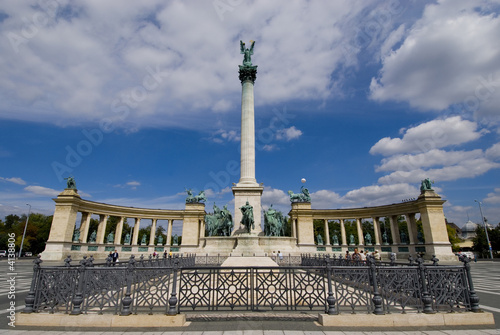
[135, 236]
[377, 231]
[169, 232]
[294, 228]
[434, 226]
[101, 229]
[301, 211]
[63, 225]
[412, 228]
[153, 232]
[342, 232]
[247, 168]
[202, 228]
[119, 230]
[191, 224]
[247, 189]
[84, 226]
[327, 233]
[361, 238]
[396, 239]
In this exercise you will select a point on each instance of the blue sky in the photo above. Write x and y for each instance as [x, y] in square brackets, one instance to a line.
[139, 101]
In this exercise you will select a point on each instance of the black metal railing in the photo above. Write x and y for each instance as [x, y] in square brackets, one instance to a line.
[183, 284]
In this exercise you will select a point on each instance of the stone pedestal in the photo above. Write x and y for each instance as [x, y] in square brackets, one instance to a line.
[434, 226]
[63, 224]
[194, 215]
[247, 245]
[301, 214]
[253, 196]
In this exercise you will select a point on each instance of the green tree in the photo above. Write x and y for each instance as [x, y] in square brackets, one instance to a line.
[37, 231]
[454, 239]
[319, 229]
[480, 244]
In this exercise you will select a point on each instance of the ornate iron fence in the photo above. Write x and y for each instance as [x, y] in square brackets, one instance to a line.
[181, 284]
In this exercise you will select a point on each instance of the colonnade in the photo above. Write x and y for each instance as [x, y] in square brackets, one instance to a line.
[378, 238]
[69, 204]
[118, 233]
[429, 205]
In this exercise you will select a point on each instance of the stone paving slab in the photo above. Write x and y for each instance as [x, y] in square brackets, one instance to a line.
[259, 332]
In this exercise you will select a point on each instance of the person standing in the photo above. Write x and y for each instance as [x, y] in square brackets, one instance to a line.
[114, 255]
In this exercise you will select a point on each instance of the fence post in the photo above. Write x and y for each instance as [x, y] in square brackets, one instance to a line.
[78, 298]
[127, 300]
[331, 299]
[29, 301]
[172, 302]
[426, 297]
[474, 299]
[377, 299]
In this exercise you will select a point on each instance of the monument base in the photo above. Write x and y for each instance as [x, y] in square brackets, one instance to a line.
[249, 262]
[252, 194]
[247, 245]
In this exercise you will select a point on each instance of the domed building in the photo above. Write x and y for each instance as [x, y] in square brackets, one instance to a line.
[469, 230]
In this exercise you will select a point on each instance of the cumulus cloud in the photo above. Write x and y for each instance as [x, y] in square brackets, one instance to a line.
[14, 180]
[274, 196]
[131, 184]
[434, 157]
[326, 199]
[381, 194]
[493, 197]
[493, 152]
[288, 134]
[434, 134]
[222, 136]
[465, 169]
[40, 190]
[162, 63]
[449, 57]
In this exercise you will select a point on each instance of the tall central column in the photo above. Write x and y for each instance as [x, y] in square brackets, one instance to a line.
[247, 169]
[247, 189]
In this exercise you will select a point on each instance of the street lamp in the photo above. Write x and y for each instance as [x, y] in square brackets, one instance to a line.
[485, 229]
[24, 234]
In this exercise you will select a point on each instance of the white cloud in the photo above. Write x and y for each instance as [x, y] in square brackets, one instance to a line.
[222, 105]
[133, 183]
[275, 197]
[450, 56]
[434, 157]
[493, 153]
[493, 197]
[325, 199]
[14, 180]
[465, 169]
[381, 194]
[165, 63]
[269, 147]
[392, 39]
[40, 190]
[430, 135]
[288, 134]
[222, 136]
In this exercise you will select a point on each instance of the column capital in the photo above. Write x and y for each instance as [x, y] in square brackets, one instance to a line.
[248, 73]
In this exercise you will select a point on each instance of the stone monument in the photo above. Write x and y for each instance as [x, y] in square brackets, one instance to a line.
[247, 189]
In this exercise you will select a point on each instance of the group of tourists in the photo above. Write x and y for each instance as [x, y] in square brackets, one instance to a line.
[360, 255]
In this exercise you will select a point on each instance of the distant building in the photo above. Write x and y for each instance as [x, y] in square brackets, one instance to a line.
[469, 230]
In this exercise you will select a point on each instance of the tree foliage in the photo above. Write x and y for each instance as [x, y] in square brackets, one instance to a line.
[37, 231]
[480, 243]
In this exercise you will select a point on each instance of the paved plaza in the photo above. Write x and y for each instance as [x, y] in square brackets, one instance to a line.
[486, 278]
